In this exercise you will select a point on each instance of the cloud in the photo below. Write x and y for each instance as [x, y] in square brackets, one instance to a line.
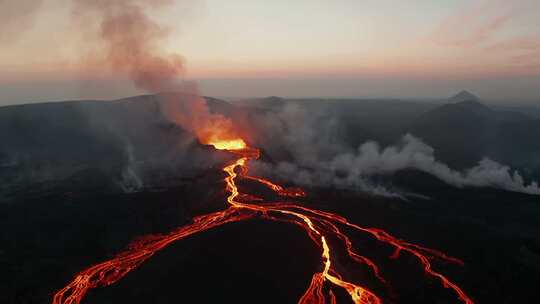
[17, 17]
[524, 50]
[412, 153]
[473, 26]
[529, 43]
[316, 158]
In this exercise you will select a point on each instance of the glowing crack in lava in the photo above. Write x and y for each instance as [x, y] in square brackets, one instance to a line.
[320, 226]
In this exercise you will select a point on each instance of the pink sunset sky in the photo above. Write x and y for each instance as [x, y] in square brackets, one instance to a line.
[302, 48]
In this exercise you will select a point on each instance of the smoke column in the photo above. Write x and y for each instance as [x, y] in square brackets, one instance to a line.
[131, 43]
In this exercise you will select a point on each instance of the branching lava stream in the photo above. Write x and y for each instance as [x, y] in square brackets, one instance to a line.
[320, 226]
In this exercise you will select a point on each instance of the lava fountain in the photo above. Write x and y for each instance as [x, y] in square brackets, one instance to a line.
[319, 225]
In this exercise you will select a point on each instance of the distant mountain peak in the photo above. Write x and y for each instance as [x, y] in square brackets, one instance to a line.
[469, 102]
[465, 96]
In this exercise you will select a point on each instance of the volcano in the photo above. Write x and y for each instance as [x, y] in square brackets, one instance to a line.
[320, 226]
[463, 96]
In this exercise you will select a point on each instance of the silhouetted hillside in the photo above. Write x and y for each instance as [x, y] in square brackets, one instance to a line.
[128, 142]
[464, 132]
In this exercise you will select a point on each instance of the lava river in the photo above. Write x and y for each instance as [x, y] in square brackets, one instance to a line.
[320, 226]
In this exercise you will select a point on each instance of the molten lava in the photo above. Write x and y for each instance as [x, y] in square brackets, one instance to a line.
[320, 226]
[234, 144]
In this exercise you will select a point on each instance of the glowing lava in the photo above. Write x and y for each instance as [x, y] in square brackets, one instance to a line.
[320, 226]
[234, 144]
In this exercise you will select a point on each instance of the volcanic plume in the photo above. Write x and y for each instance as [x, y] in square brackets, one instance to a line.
[130, 42]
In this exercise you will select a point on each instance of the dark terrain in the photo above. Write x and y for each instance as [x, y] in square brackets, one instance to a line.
[80, 180]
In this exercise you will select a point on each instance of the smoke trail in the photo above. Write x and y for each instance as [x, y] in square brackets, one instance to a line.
[131, 180]
[309, 149]
[413, 153]
[354, 169]
[133, 45]
[132, 40]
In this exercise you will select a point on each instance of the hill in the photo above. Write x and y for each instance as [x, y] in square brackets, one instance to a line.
[127, 142]
[463, 132]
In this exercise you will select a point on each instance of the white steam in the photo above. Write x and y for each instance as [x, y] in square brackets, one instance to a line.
[413, 153]
[131, 180]
[353, 169]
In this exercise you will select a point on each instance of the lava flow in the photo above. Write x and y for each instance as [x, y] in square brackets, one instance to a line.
[320, 226]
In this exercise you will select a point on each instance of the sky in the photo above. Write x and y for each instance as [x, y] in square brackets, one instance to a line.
[301, 48]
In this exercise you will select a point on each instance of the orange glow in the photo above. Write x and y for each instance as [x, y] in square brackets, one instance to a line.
[320, 226]
[234, 144]
[291, 192]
